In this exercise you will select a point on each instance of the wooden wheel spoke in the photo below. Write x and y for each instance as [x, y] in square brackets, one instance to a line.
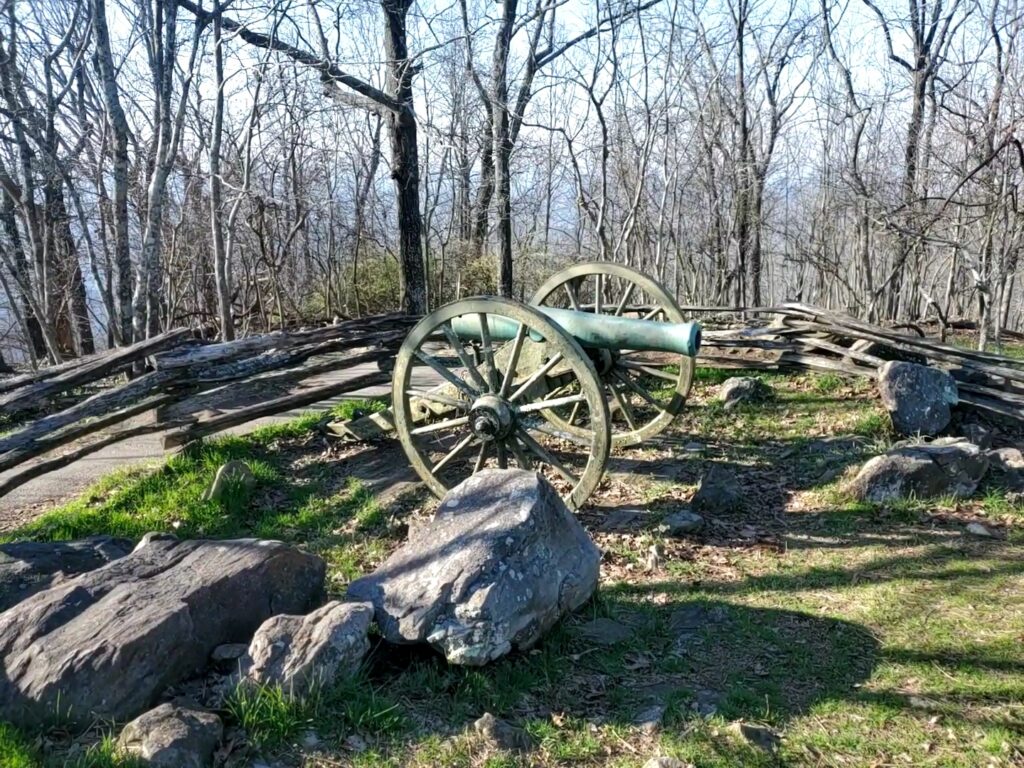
[521, 458]
[574, 299]
[624, 406]
[656, 372]
[546, 456]
[513, 361]
[462, 445]
[574, 413]
[440, 426]
[437, 397]
[488, 347]
[557, 402]
[502, 456]
[625, 299]
[447, 375]
[633, 385]
[460, 350]
[481, 458]
[654, 313]
[554, 360]
[598, 294]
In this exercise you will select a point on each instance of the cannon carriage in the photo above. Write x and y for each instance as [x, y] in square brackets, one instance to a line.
[601, 358]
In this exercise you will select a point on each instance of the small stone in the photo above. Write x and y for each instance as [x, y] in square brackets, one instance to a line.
[681, 523]
[173, 737]
[356, 743]
[743, 389]
[760, 736]
[649, 720]
[666, 762]
[719, 492]
[226, 656]
[310, 740]
[977, 529]
[706, 703]
[300, 652]
[501, 734]
[620, 520]
[232, 474]
[1007, 459]
[605, 631]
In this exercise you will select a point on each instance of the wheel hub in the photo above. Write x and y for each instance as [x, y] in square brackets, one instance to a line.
[491, 418]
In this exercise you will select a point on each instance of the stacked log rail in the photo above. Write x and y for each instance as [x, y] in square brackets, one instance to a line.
[803, 337]
[180, 368]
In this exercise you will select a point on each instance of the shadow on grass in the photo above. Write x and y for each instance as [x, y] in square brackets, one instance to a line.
[689, 658]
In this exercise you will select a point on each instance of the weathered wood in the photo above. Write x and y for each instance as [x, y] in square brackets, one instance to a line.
[69, 457]
[31, 390]
[200, 429]
[275, 378]
[36, 447]
[351, 333]
[98, 405]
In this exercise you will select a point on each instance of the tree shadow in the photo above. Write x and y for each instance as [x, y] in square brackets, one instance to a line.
[681, 659]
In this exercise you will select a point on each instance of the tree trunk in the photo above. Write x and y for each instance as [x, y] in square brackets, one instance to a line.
[405, 162]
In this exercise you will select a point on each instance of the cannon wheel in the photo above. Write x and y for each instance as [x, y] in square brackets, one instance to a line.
[645, 390]
[489, 412]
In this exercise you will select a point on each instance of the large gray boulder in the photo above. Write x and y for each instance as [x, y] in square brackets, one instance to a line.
[500, 563]
[917, 397]
[27, 567]
[172, 737]
[300, 652]
[921, 471]
[108, 642]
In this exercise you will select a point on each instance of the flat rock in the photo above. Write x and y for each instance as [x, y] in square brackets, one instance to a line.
[604, 631]
[501, 561]
[681, 523]
[757, 735]
[650, 719]
[917, 397]
[298, 653]
[977, 529]
[921, 471]
[743, 389]
[502, 735]
[173, 737]
[27, 567]
[105, 644]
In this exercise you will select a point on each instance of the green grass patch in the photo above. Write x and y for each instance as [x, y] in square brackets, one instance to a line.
[351, 409]
[15, 750]
[863, 634]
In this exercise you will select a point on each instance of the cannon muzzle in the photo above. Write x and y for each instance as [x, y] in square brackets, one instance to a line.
[597, 331]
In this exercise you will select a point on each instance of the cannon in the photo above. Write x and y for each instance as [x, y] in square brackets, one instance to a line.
[601, 358]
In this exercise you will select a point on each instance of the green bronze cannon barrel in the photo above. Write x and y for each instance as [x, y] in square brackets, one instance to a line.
[598, 331]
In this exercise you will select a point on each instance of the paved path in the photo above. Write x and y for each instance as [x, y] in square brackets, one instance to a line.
[47, 490]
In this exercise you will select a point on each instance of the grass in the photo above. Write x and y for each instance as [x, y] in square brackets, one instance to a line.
[15, 750]
[860, 634]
